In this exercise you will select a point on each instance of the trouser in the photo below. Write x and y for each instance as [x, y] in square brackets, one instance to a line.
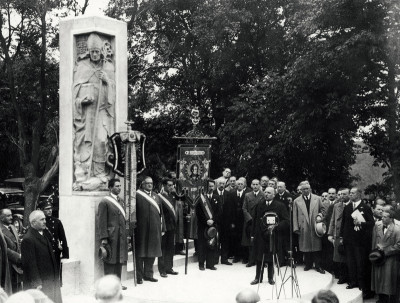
[225, 245]
[327, 254]
[357, 265]
[144, 267]
[205, 253]
[165, 262]
[252, 258]
[113, 269]
[341, 270]
[16, 280]
[260, 270]
[312, 257]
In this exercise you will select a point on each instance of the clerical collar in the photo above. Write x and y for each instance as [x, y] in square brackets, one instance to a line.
[114, 196]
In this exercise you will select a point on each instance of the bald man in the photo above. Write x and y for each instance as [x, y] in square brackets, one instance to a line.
[247, 296]
[39, 264]
[108, 289]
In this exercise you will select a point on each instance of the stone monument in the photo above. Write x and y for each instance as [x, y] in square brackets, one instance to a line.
[93, 106]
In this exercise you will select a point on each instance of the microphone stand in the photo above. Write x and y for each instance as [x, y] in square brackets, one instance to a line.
[293, 276]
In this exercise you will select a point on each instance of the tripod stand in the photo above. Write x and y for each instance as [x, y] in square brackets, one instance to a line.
[294, 283]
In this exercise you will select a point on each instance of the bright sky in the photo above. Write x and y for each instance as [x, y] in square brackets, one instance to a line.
[96, 7]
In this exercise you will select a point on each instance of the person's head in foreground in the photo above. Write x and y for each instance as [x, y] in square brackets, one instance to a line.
[325, 296]
[108, 289]
[247, 296]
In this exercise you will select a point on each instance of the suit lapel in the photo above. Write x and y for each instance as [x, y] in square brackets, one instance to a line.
[340, 210]
[389, 231]
[313, 204]
[303, 208]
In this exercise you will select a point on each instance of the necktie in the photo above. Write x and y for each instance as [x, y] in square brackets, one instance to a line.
[9, 227]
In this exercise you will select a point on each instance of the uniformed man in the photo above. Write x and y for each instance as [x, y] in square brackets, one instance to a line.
[56, 233]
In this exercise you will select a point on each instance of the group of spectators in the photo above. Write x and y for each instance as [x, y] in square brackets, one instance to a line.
[32, 263]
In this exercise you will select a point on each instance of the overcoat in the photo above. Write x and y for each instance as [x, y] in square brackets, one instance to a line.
[4, 267]
[149, 228]
[262, 245]
[335, 225]
[112, 226]
[304, 222]
[39, 265]
[249, 209]
[384, 278]
[13, 248]
[57, 232]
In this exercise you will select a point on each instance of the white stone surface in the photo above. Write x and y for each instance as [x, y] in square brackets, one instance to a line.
[78, 209]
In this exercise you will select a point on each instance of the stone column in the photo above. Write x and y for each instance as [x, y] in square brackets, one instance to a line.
[93, 105]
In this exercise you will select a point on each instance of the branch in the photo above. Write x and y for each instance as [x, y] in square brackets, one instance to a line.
[48, 176]
[84, 7]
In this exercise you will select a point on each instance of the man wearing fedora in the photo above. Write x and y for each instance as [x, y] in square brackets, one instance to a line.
[112, 229]
[356, 235]
[386, 239]
[308, 210]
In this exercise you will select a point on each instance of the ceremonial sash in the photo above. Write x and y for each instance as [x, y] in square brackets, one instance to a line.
[113, 201]
[150, 200]
[206, 207]
[170, 206]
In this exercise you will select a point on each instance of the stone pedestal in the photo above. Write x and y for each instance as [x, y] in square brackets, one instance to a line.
[78, 209]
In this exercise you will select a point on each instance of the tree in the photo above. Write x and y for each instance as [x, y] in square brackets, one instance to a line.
[32, 88]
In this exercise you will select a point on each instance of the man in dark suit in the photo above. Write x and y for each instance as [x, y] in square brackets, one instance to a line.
[38, 261]
[56, 233]
[149, 230]
[112, 229]
[227, 219]
[165, 262]
[236, 198]
[264, 236]
[285, 198]
[13, 248]
[207, 211]
[356, 235]
[251, 199]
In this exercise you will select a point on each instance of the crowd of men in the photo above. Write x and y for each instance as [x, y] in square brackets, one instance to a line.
[252, 225]
[34, 262]
[264, 226]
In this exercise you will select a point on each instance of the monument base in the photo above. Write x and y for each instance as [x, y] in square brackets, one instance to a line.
[78, 215]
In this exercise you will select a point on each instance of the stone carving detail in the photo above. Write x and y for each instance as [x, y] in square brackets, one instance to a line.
[94, 111]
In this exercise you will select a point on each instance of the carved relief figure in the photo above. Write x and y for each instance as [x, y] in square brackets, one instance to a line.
[94, 115]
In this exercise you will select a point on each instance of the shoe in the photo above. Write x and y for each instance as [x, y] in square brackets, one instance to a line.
[172, 272]
[341, 281]
[124, 287]
[351, 286]
[226, 263]
[212, 268]
[250, 264]
[202, 268]
[235, 260]
[320, 270]
[139, 281]
[254, 282]
[307, 268]
[244, 261]
[271, 281]
[163, 275]
[150, 279]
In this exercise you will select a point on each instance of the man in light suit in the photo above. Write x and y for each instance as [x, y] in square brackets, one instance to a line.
[112, 229]
[13, 248]
[307, 211]
[251, 200]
